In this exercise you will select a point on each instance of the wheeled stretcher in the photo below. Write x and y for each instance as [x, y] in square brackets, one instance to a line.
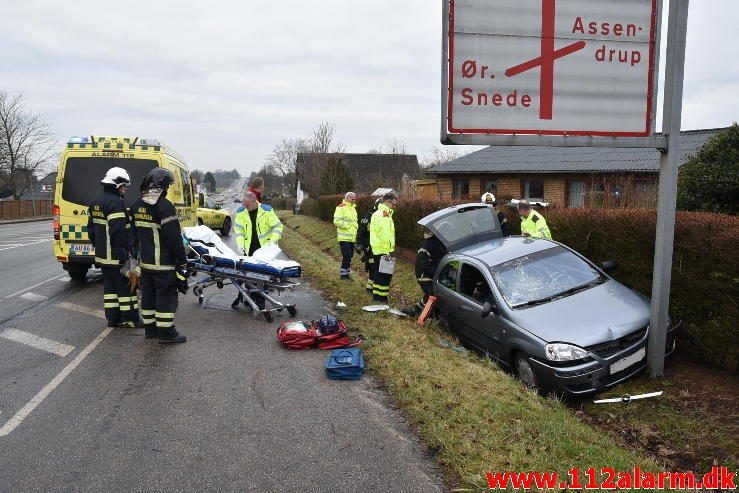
[252, 276]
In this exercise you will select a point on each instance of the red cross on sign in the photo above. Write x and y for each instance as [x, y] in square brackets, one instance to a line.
[546, 60]
[550, 67]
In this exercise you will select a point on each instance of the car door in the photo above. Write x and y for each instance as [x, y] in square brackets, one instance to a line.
[474, 289]
[210, 213]
[449, 300]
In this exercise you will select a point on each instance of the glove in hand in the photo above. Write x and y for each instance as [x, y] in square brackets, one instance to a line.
[182, 275]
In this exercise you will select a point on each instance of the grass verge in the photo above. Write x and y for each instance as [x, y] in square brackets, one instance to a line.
[476, 417]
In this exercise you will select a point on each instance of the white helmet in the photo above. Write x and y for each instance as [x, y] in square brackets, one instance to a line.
[116, 176]
[487, 198]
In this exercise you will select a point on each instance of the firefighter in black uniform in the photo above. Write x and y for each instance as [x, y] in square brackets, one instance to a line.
[162, 254]
[110, 233]
[430, 252]
[363, 245]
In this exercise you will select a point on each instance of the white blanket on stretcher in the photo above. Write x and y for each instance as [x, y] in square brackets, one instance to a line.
[268, 255]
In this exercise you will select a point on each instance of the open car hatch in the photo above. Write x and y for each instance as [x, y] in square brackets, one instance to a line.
[463, 225]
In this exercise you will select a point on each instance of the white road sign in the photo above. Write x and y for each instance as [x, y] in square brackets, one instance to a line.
[551, 67]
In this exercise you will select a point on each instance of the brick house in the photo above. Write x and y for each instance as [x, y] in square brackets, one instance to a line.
[562, 176]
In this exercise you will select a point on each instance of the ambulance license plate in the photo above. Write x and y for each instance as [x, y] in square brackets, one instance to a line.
[86, 249]
[626, 362]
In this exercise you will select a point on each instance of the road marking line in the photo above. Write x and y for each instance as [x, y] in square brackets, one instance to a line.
[23, 245]
[34, 286]
[22, 337]
[18, 418]
[33, 297]
[82, 309]
[64, 279]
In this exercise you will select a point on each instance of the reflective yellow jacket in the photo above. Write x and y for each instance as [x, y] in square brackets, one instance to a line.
[535, 226]
[345, 220]
[382, 231]
[269, 228]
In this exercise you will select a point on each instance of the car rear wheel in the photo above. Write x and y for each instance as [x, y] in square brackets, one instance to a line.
[226, 228]
[524, 371]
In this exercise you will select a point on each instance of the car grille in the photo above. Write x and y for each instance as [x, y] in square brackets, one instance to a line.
[610, 348]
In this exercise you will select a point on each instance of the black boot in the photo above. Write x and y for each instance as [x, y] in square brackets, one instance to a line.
[150, 332]
[171, 336]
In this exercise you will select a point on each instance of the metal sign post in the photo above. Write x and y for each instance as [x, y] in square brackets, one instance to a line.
[671, 120]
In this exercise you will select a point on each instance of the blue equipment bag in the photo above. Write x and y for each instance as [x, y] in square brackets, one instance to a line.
[345, 364]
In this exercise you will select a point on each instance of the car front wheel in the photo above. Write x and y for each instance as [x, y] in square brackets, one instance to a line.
[226, 228]
[524, 371]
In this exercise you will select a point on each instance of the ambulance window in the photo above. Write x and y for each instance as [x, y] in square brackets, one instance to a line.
[175, 193]
[82, 177]
[186, 190]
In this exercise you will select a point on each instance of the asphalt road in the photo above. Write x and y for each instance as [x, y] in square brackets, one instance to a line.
[86, 408]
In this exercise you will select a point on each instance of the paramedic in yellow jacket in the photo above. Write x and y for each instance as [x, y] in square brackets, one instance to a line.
[345, 220]
[533, 224]
[256, 226]
[382, 241]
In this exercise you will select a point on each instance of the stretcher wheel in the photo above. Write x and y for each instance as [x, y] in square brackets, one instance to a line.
[197, 291]
[292, 310]
[200, 299]
[268, 316]
[220, 285]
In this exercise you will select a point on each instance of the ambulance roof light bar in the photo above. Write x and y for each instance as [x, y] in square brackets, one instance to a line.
[149, 142]
[80, 140]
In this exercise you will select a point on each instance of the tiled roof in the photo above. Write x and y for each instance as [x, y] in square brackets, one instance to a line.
[532, 159]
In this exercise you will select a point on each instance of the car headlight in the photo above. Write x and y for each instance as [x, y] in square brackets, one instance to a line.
[564, 352]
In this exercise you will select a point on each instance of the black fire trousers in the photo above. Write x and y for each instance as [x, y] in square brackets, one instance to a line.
[381, 282]
[159, 301]
[120, 305]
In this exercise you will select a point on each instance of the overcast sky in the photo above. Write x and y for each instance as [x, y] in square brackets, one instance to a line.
[222, 82]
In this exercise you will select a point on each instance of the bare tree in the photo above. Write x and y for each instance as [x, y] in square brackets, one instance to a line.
[322, 140]
[395, 146]
[27, 144]
[441, 155]
[284, 155]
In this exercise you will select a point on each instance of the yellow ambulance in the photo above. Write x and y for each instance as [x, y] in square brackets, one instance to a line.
[83, 164]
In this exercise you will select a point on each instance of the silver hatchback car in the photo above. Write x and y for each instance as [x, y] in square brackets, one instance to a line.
[556, 319]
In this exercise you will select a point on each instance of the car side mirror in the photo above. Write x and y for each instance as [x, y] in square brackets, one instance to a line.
[217, 207]
[487, 309]
[609, 266]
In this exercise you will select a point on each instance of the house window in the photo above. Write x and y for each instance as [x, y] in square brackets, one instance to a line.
[490, 186]
[460, 188]
[576, 194]
[534, 190]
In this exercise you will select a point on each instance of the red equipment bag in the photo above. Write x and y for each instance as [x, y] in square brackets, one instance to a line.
[300, 335]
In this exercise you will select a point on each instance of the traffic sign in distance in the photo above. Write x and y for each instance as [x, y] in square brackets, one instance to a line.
[552, 67]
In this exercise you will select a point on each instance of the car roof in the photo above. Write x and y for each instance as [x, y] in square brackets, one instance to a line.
[501, 250]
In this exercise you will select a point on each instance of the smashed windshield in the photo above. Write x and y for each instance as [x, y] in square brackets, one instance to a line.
[543, 276]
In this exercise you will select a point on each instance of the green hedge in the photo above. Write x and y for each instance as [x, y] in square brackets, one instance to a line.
[283, 203]
[705, 277]
[309, 207]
